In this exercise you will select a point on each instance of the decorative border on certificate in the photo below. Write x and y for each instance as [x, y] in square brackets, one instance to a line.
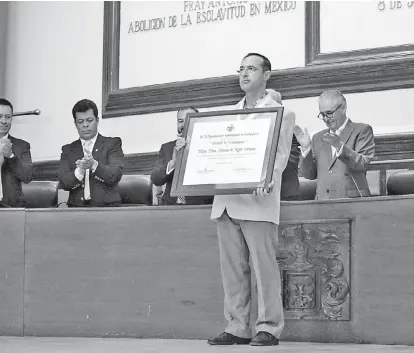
[227, 152]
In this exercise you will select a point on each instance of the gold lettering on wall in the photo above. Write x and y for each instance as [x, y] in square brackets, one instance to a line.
[202, 12]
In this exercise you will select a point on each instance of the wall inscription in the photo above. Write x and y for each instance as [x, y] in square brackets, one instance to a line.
[176, 41]
[315, 268]
[200, 12]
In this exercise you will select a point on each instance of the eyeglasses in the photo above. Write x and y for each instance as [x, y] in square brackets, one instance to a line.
[329, 115]
[249, 69]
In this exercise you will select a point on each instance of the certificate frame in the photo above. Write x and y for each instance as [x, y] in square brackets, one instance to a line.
[179, 189]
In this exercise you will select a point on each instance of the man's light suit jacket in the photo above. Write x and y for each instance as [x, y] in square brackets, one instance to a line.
[251, 207]
[338, 177]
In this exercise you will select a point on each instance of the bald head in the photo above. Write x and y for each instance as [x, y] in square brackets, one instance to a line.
[333, 96]
[181, 116]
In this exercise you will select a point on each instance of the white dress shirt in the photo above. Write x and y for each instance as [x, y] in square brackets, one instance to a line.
[87, 145]
[5, 137]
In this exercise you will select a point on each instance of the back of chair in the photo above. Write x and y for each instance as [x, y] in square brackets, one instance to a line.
[41, 194]
[136, 190]
[401, 183]
[307, 188]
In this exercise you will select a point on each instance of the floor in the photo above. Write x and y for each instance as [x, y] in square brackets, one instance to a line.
[99, 345]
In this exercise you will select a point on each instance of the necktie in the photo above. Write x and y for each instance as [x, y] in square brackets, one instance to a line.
[181, 200]
[87, 150]
[1, 184]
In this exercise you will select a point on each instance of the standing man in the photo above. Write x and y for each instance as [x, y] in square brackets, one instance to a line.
[337, 157]
[91, 167]
[163, 172]
[247, 227]
[15, 161]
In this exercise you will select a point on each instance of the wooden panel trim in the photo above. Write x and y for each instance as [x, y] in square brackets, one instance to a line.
[314, 56]
[360, 71]
[393, 151]
[312, 31]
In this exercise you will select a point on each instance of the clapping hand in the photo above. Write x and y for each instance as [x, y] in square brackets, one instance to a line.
[85, 163]
[6, 147]
[333, 140]
[302, 136]
[180, 143]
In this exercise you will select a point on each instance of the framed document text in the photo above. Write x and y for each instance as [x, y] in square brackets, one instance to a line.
[227, 152]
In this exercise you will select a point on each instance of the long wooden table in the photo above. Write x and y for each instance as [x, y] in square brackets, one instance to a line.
[347, 269]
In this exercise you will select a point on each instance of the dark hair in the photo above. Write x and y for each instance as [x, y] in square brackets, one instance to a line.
[266, 65]
[4, 101]
[84, 105]
[188, 108]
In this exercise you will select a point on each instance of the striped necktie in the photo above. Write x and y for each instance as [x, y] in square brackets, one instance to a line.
[181, 200]
[87, 150]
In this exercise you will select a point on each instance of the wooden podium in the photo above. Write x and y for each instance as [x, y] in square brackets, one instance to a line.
[154, 271]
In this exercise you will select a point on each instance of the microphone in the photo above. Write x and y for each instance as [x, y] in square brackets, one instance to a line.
[356, 185]
[5, 205]
[30, 112]
[73, 204]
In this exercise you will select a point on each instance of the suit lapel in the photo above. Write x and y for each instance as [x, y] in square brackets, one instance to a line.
[15, 145]
[169, 149]
[344, 137]
[97, 147]
[327, 148]
[78, 149]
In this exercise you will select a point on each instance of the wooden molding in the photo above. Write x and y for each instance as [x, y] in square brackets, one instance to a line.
[393, 151]
[350, 72]
[314, 56]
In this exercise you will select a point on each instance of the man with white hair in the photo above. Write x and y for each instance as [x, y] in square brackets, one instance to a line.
[338, 157]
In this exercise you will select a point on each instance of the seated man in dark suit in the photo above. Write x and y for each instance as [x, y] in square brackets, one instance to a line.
[91, 167]
[289, 190]
[163, 172]
[15, 161]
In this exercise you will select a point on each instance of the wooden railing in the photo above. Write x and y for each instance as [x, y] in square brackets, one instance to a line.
[386, 165]
[393, 152]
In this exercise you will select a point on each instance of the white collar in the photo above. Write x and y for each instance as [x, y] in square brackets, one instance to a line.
[5, 137]
[93, 140]
[340, 129]
[255, 103]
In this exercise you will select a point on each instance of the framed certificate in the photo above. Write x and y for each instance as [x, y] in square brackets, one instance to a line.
[227, 152]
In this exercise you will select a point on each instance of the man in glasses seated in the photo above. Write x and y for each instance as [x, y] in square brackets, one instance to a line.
[337, 157]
